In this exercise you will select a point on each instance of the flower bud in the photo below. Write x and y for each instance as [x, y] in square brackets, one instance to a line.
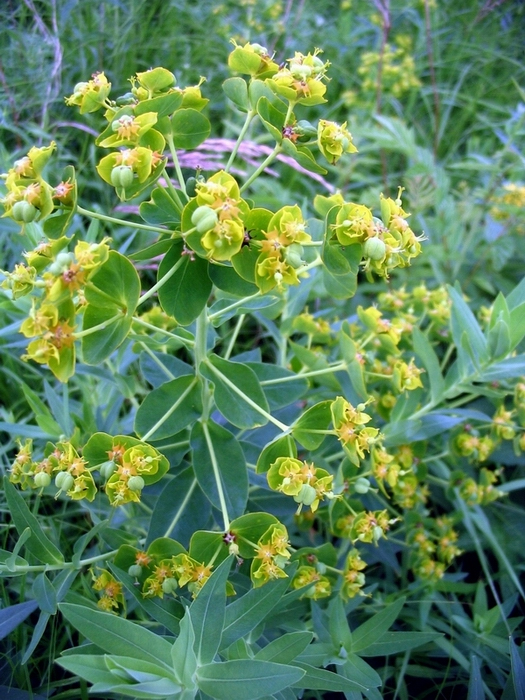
[204, 218]
[135, 570]
[42, 479]
[374, 248]
[24, 212]
[280, 561]
[127, 99]
[136, 483]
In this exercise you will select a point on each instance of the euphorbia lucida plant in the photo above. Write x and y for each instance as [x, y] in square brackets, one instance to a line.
[270, 473]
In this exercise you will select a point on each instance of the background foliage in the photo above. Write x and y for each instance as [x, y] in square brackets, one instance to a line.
[433, 93]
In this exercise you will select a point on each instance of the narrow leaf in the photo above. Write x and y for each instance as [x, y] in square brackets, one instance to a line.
[372, 630]
[246, 679]
[12, 616]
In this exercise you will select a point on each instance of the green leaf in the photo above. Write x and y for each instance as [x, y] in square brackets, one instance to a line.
[110, 632]
[208, 613]
[463, 321]
[237, 392]
[319, 679]
[244, 614]
[250, 528]
[38, 543]
[14, 615]
[475, 683]
[165, 611]
[283, 446]
[160, 209]
[428, 357]
[92, 668]
[272, 118]
[510, 368]
[168, 409]
[163, 105]
[358, 671]
[303, 156]
[286, 648]
[111, 295]
[236, 90]
[281, 386]
[517, 670]
[397, 642]
[45, 594]
[228, 279]
[517, 325]
[499, 341]
[182, 653]
[186, 293]
[180, 509]
[316, 418]
[218, 454]
[190, 128]
[372, 630]
[246, 679]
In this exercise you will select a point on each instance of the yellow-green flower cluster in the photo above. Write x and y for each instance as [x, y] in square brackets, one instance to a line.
[91, 95]
[126, 470]
[333, 140]
[308, 484]
[62, 463]
[52, 319]
[433, 547]
[398, 69]
[386, 243]
[319, 586]
[272, 555]
[508, 206]
[350, 425]
[301, 79]
[475, 493]
[178, 571]
[112, 597]
[29, 197]
[353, 578]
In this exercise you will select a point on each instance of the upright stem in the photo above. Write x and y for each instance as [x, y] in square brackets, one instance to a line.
[176, 165]
[240, 138]
[160, 283]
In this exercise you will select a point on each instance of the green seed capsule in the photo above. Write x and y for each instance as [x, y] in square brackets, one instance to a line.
[64, 481]
[135, 570]
[107, 469]
[362, 485]
[169, 585]
[374, 248]
[204, 218]
[24, 212]
[306, 495]
[122, 176]
[42, 479]
[136, 483]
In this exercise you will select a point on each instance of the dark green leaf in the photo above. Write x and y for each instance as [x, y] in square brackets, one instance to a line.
[186, 293]
[318, 679]
[14, 615]
[428, 357]
[45, 594]
[160, 209]
[310, 429]
[216, 454]
[168, 409]
[372, 630]
[286, 648]
[38, 543]
[397, 642]
[183, 654]
[236, 90]
[237, 392]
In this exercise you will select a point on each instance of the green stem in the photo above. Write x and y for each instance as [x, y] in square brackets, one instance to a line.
[147, 295]
[273, 155]
[300, 375]
[113, 220]
[99, 327]
[246, 399]
[59, 567]
[217, 475]
[235, 334]
[172, 190]
[235, 305]
[176, 165]
[240, 138]
[185, 341]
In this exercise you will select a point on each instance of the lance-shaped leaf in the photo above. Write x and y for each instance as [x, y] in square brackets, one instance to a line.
[238, 393]
[37, 543]
[246, 679]
[111, 295]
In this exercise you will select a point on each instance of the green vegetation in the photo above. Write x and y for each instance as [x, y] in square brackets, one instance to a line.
[262, 338]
